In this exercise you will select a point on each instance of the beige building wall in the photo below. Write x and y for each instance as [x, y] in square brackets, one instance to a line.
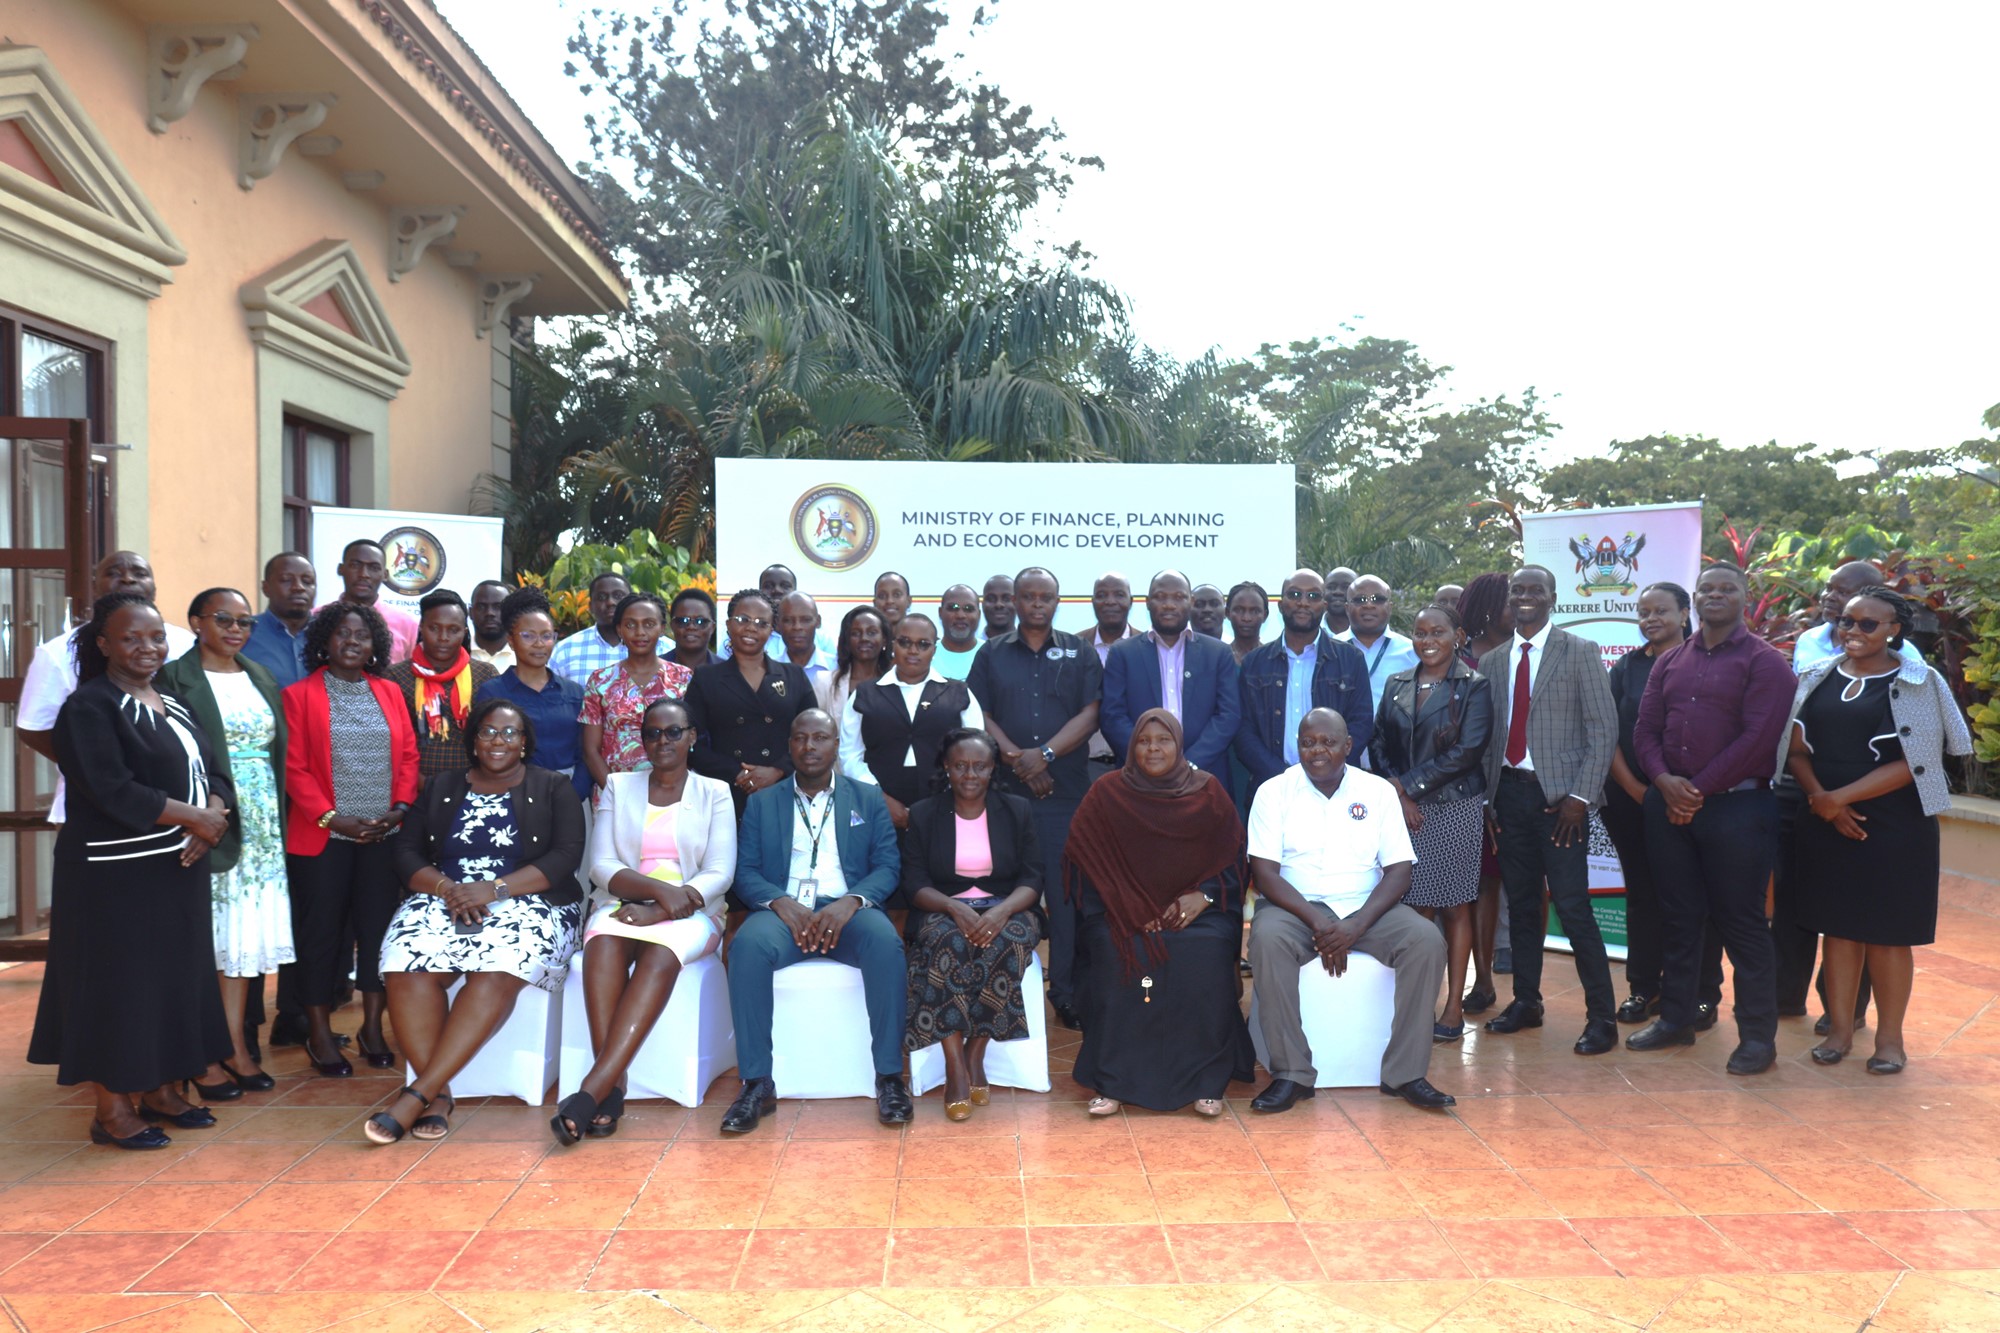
[193, 493]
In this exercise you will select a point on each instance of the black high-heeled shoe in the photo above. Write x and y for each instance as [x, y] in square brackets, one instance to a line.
[611, 1108]
[195, 1117]
[575, 1109]
[219, 1092]
[338, 1067]
[382, 1059]
[257, 1082]
[144, 1141]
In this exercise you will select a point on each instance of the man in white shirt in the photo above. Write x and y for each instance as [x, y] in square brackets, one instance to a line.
[1331, 859]
[51, 674]
[1386, 652]
[489, 635]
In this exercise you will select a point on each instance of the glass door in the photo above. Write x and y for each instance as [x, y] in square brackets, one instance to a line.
[47, 544]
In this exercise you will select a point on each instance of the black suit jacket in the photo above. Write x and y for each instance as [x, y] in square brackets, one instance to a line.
[735, 725]
[930, 850]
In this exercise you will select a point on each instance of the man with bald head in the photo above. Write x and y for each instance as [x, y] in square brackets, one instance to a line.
[1817, 644]
[1331, 858]
[1369, 602]
[798, 633]
[958, 632]
[51, 674]
[815, 861]
[1111, 603]
[1302, 669]
[1189, 675]
[1338, 579]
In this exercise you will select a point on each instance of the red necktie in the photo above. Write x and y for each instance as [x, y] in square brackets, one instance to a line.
[1517, 716]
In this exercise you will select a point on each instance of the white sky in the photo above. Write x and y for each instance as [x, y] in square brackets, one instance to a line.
[1749, 220]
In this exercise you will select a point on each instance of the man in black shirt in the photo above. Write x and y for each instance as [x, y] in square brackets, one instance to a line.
[1039, 688]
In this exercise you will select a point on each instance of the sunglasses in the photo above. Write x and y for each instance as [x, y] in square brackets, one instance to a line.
[692, 622]
[916, 645]
[651, 734]
[223, 620]
[1867, 625]
[1368, 599]
[958, 606]
[1301, 595]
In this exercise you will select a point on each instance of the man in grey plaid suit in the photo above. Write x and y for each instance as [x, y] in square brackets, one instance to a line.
[1555, 726]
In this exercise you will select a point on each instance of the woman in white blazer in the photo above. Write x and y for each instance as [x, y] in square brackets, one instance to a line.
[662, 855]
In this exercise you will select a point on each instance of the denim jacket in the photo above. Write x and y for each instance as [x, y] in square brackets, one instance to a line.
[1340, 682]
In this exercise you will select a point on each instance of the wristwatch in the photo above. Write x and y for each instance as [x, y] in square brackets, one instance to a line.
[326, 820]
[1048, 755]
[499, 889]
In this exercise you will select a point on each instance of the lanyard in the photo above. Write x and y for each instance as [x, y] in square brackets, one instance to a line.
[1381, 647]
[805, 817]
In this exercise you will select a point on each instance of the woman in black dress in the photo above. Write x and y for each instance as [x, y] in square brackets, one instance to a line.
[742, 708]
[972, 871]
[129, 1002]
[890, 733]
[1867, 745]
[1430, 740]
[1155, 865]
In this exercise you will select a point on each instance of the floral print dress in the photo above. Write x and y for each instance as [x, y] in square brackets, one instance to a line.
[616, 702]
[253, 905]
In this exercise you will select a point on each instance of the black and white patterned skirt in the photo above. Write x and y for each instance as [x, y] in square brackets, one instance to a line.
[528, 937]
[1447, 847]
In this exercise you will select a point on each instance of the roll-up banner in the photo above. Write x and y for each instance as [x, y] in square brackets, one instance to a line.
[840, 525]
[1601, 559]
[421, 552]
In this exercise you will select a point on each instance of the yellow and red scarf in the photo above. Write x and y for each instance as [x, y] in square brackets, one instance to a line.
[439, 691]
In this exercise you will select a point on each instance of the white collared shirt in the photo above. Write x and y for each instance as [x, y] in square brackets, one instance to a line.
[1537, 646]
[853, 756]
[1388, 655]
[826, 874]
[1332, 849]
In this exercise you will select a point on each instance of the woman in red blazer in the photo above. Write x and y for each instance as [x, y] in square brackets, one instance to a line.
[350, 775]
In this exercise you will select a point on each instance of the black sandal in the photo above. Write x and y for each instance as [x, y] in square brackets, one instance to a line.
[429, 1127]
[383, 1128]
[611, 1108]
[578, 1109]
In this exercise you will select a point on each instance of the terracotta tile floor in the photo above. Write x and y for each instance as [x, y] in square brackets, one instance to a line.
[1627, 1191]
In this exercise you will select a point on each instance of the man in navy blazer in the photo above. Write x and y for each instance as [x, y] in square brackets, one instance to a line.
[1333, 672]
[815, 861]
[1190, 675]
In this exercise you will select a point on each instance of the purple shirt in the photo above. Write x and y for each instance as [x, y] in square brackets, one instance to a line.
[1713, 716]
[1173, 666]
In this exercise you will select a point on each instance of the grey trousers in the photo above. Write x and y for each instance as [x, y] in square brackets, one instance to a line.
[1403, 940]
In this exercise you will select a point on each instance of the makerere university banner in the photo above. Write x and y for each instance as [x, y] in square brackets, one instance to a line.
[840, 525]
[1602, 558]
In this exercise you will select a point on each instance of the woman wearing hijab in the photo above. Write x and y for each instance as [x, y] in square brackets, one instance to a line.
[1155, 865]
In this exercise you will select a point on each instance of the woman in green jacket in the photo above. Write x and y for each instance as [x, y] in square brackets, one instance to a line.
[236, 702]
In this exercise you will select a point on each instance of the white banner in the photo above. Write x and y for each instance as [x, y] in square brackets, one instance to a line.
[422, 552]
[1602, 558]
[841, 525]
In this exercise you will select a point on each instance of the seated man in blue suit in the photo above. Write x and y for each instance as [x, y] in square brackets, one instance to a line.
[815, 862]
[1188, 674]
[1302, 669]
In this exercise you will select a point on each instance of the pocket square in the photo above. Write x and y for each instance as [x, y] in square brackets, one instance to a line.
[854, 819]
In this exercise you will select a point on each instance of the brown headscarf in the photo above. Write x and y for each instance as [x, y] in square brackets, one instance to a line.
[1143, 841]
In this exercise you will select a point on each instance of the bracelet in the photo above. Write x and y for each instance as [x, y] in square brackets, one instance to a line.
[326, 820]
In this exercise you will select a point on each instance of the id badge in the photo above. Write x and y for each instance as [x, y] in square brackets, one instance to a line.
[808, 891]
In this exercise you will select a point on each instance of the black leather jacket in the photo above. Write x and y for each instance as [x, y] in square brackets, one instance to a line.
[1405, 745]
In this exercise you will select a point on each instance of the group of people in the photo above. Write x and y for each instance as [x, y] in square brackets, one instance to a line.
[439, 811]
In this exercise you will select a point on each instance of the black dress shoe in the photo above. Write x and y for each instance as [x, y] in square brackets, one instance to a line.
[145, 1140]
[195, 1117]
[1067, 1016]
[1658, 1035]
[1419, 1092]
[1706, 1017]
[1752, 1057]
[758, 1099]
[892, 1100]
[1517, 1015]
[1599, 1035]
[1477, 1001]
[1638, 1008]
[1280, 1096]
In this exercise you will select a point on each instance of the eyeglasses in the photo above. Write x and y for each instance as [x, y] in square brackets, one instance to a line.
[1302, 595]
[747, 622]
[958, 606]
[1368, 599]
[537, 638]
[978, 770]
[1867, 626]
[651, 734]
[915, 645]
[692, 622]
[223, 620]
[499, 733]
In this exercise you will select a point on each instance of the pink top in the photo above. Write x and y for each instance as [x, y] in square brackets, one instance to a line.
[659, 848]
[975, 853]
